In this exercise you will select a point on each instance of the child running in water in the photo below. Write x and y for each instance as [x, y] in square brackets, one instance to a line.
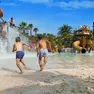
[42, 51]
[18, 47]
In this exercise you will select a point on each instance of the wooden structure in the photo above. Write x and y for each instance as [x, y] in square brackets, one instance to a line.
[83, 32]
[1, 13]
[2, 23]
[82, 45]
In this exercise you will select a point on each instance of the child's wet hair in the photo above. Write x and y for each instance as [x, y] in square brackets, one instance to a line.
[17, 39]
[40, 37]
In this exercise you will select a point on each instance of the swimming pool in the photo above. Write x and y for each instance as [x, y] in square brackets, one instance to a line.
[77, 58]
[55, 60]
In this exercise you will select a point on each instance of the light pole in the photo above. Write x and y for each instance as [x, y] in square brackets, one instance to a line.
[93, 27]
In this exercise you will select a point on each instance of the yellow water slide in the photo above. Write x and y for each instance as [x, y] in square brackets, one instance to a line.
[78, 48]
[91, 44]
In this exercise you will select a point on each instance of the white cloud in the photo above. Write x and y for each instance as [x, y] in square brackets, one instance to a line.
[63, 3]
[75, 4]
[36, 1]
[8, 4]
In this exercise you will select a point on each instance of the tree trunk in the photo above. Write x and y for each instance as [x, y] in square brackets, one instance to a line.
[31, 32]
[35, 33]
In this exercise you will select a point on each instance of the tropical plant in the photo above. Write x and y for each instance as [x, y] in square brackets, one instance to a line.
[22, 25]
[65, 35]
[35, 30]
[44, 35]
[64, 30]
[29, 27]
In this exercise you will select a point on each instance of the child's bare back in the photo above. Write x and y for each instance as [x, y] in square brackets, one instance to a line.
[19, 46]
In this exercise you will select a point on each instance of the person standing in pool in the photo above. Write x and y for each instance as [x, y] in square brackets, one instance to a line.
[18, 47]
[42, 51]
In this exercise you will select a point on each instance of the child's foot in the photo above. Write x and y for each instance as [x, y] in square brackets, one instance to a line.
[41, 69]
[20, 72]
[25, 66]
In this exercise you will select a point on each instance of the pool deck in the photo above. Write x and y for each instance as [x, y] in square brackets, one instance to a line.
[63, 74]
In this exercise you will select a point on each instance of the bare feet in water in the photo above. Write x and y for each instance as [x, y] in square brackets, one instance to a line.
[25, 66]
[20, 72]
[41, 68]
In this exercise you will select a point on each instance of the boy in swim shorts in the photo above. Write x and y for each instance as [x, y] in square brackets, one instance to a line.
[42, 51]
[18, 47]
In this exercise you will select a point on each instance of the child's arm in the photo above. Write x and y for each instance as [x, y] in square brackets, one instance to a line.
[25, 44]
[37, 48]
[14, 48]
[49, 45]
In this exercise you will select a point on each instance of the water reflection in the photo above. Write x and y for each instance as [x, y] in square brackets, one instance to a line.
[77, 58]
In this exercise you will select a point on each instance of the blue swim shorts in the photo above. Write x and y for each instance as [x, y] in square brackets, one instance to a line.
[19, 54]
[43, 52]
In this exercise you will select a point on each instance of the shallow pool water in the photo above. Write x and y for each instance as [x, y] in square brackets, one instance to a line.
[55, 60]
[76, 58]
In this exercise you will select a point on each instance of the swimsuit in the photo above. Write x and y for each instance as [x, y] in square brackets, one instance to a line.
[19, 54]
[43, 52]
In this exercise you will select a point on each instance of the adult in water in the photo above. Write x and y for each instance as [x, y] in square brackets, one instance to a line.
[42, 51]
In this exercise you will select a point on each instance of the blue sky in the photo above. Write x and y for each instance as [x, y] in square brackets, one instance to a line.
[49, 15]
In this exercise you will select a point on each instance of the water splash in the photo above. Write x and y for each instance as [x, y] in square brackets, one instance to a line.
[6, 43]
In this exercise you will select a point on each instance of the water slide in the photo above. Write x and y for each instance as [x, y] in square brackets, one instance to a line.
[91, 44]
[8, 35]
[78, 48]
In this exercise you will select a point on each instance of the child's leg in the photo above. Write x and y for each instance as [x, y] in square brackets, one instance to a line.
[45, 57]
[23, 63]
[18, 65]
[40, 63]
[45, 61]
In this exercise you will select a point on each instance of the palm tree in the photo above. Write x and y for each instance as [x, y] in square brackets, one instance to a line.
[44, 35]
[30, 26]
[65, 34]
[22, 28]
[22, 25]
[35, 30]
[64, 30]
